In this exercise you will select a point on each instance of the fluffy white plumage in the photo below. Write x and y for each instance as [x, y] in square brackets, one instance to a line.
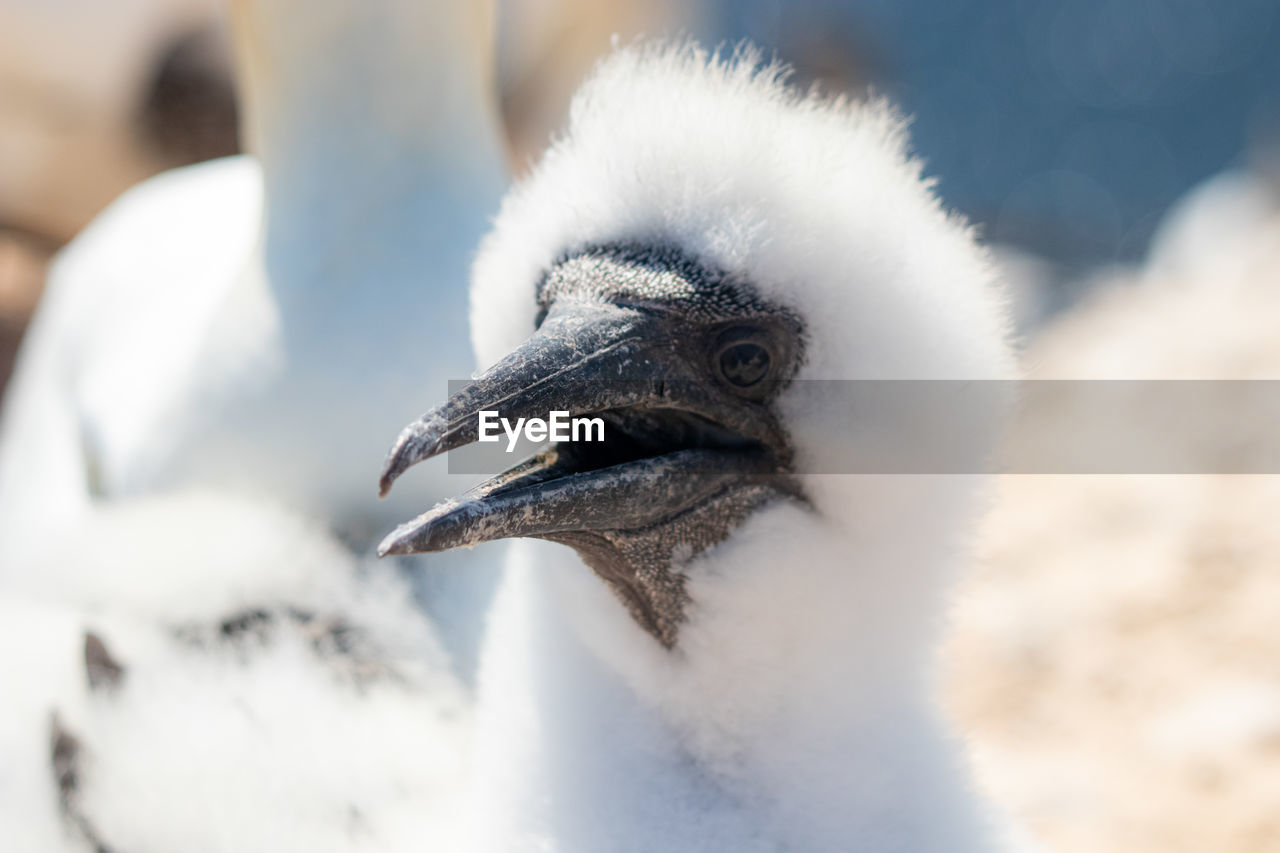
[249, 331]
[796, 711]
[116, 335]
[276, 693]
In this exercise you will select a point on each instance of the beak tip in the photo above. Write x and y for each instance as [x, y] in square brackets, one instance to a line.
[398, 461]
[410, 448]
[392, 545]
[427, 533]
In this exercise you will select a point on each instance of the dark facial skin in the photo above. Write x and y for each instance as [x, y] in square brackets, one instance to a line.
[684, 365]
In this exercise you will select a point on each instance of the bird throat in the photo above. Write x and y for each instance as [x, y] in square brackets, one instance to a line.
[645, 568]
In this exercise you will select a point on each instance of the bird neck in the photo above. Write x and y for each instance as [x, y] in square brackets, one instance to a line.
[798, 705]
[353, 108]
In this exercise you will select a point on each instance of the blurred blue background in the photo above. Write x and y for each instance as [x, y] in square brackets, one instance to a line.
[1067, 128]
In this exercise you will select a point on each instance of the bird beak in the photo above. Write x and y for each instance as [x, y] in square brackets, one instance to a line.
[671, 437]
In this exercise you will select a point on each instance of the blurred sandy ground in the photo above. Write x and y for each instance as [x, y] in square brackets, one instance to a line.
[1116, 658]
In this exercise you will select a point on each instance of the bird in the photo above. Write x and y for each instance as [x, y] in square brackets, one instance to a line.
[220, 325]
[197, 655]
[198, 670]
[735, 650]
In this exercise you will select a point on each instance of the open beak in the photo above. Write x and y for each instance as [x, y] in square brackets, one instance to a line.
[672, 438]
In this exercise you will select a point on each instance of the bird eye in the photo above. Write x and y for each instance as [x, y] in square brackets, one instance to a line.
[743, 363]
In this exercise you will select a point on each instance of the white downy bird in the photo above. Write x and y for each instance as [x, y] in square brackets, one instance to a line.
[693, 261]
[200, 671]
[238, 326]
[205, 673]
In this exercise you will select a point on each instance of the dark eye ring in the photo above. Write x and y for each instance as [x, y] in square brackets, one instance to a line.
[743, 361]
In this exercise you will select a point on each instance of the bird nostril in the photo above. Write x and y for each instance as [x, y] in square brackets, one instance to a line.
[744, 364]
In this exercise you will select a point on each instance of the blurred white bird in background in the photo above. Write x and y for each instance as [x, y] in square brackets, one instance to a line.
[192, 659]
[236, 325]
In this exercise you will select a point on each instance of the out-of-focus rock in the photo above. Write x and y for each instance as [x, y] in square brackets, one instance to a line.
[189, 112]
[23, 261]
[79, 83]
[1116, 658]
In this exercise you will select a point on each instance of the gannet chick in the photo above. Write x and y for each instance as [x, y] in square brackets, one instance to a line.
[695, 260]
[200, 672]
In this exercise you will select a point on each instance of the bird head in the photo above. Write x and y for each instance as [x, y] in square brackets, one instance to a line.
[704, 261]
